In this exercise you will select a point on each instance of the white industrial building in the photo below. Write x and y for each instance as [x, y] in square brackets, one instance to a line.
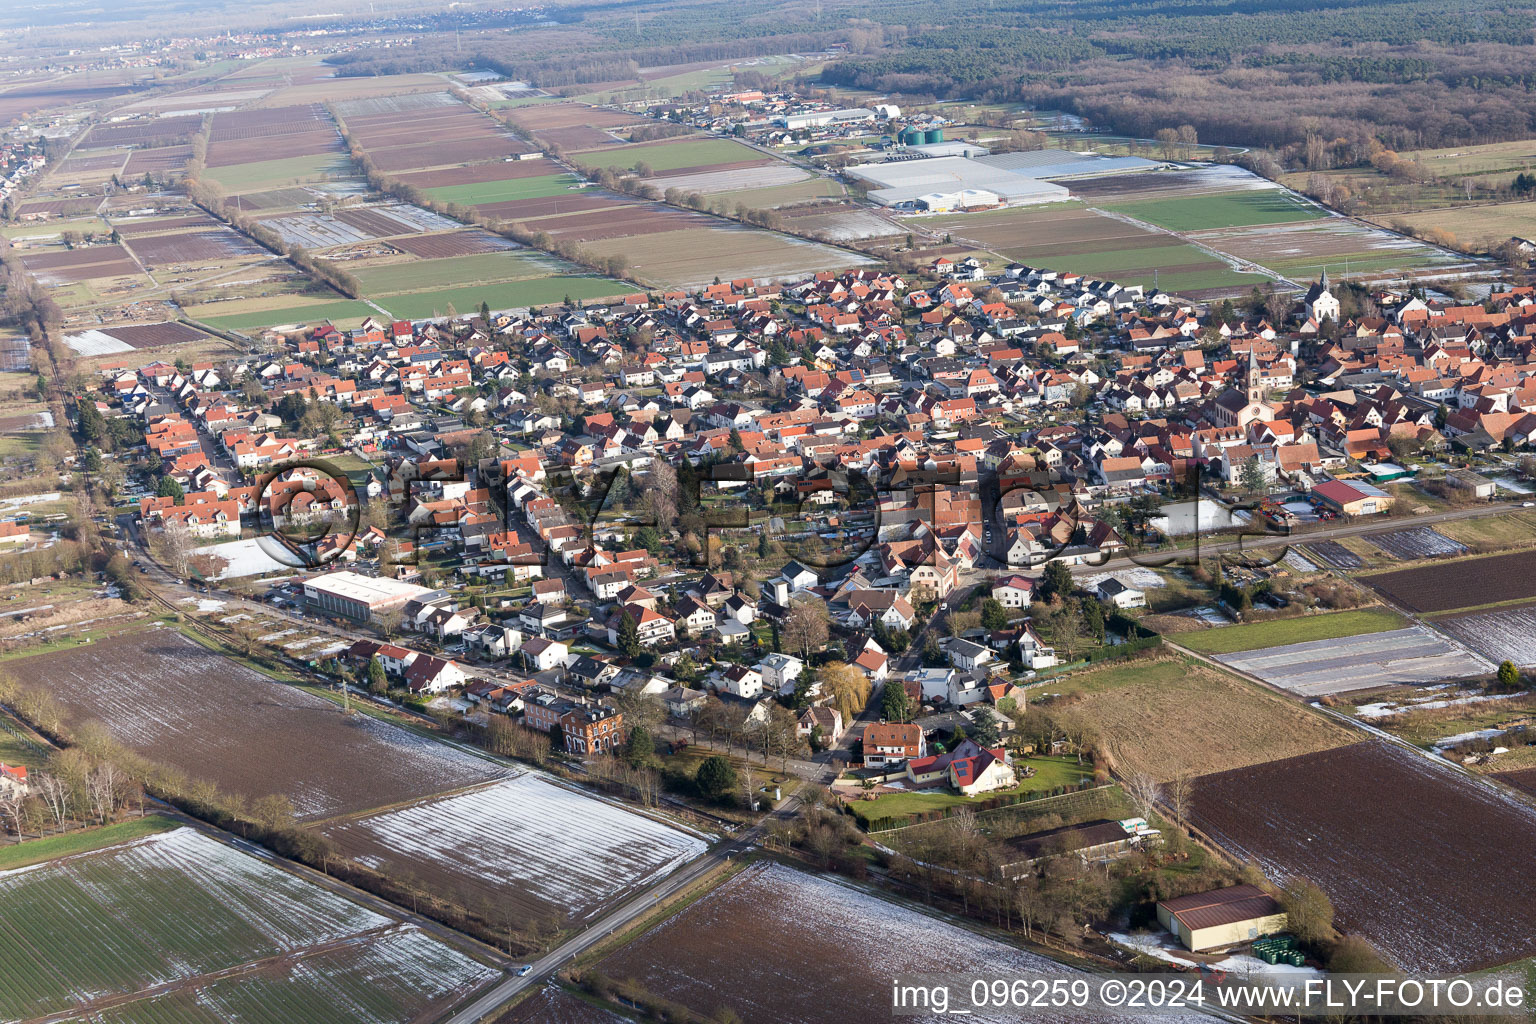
[822, 118]
[953, 177]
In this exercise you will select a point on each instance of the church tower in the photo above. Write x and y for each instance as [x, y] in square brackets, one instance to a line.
[1320, 302]
[1255, 389]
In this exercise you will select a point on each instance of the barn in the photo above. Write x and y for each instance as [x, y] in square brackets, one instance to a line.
[1221, 917]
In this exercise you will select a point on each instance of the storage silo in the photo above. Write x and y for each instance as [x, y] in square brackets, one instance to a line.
[933, 135]
[911, 136]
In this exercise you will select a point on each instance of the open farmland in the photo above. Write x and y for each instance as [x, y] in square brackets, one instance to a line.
[694, 258]
[554, 1005]
[1069, 237]
[456, 243]
[1220, 209]
[1408, 851]
[535, 291]
[1276, 632]
[1167, 715]
[1418, 542]
[1462, 583]
[107, 340]
[156, 251]
[182, 705]
[281, 309]
[1301, 250]
[527, 843]
[424, 275]
[778, 944]
[1507, 634]
[1332, 553]
[503, 191]
[1416, 654]
[675, 155]
[177, 927]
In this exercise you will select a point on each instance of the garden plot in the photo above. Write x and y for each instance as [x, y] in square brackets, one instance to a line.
[1505, 635]
[1419, 542]
[1431, 866]
[183, 920]
[1335, 555]
[182, 705]
[526, 842]
[1392, 657]
[778, 944]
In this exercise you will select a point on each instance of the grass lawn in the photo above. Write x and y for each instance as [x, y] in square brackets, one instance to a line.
[1279, 632]
[1221, 210]
[16, 750]
[35, 851]
[1050, 772]
[671, 154]
[1494, 531]
[422, 275]
[510, 295]
[504, 191]
[266, 174]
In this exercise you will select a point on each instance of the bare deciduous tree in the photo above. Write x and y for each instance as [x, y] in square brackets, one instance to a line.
[1144, 792]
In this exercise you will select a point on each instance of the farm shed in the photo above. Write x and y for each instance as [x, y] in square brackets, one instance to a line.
[1221, 917]
[1355, 498]
[1466, 480]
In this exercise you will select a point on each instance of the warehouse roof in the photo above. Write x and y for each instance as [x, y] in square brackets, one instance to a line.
[1221, 906]
[367, 589]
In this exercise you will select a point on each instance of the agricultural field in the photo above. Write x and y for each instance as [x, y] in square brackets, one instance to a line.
[178, 927]
[1340, 664]
[504, 191]
[423, 275]
[1507, 634]
[261, 175]
[281, 309]
[1220, 209]
[1417, 542]
[544, 851]
[1277, 632]
[540, 291]
[213, 718]
[107, 340]
[841, 222]
[1332, 553]
[777, 944]
[1408, 851]
[1167, 715]
[554, 1005]
[1462, 583]
[1074, 238]
[694, 258]
[1302, 250]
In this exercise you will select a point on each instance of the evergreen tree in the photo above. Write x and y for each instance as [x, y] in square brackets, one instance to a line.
[993, 614]
[378, 682]
[170, 487]
[1057, 579]
[715, 777]
[629, 635]
[895, 705]
[640, 749]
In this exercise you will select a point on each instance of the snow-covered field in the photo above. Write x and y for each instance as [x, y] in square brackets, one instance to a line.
[561, 851]
[1508, 634]
[248, 557]
[177, 906]
[1433, 697]
[95, 343]
[775, 943]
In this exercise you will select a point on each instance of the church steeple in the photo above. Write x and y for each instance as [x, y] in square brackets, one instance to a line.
[1323, 281]
[1255, 389]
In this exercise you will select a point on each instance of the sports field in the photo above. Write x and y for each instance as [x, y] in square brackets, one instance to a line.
[480, 192]
[1220, 210]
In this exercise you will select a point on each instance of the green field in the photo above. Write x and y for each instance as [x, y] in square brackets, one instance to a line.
[1117, 261]
[136, 918]
[421, 275]
[668, 156]
[35, 851]
[1221, 210]
[1279, 632]
[266, 174]
[541, 291]
[479, 192]
[1050, 772]
[344, 310]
